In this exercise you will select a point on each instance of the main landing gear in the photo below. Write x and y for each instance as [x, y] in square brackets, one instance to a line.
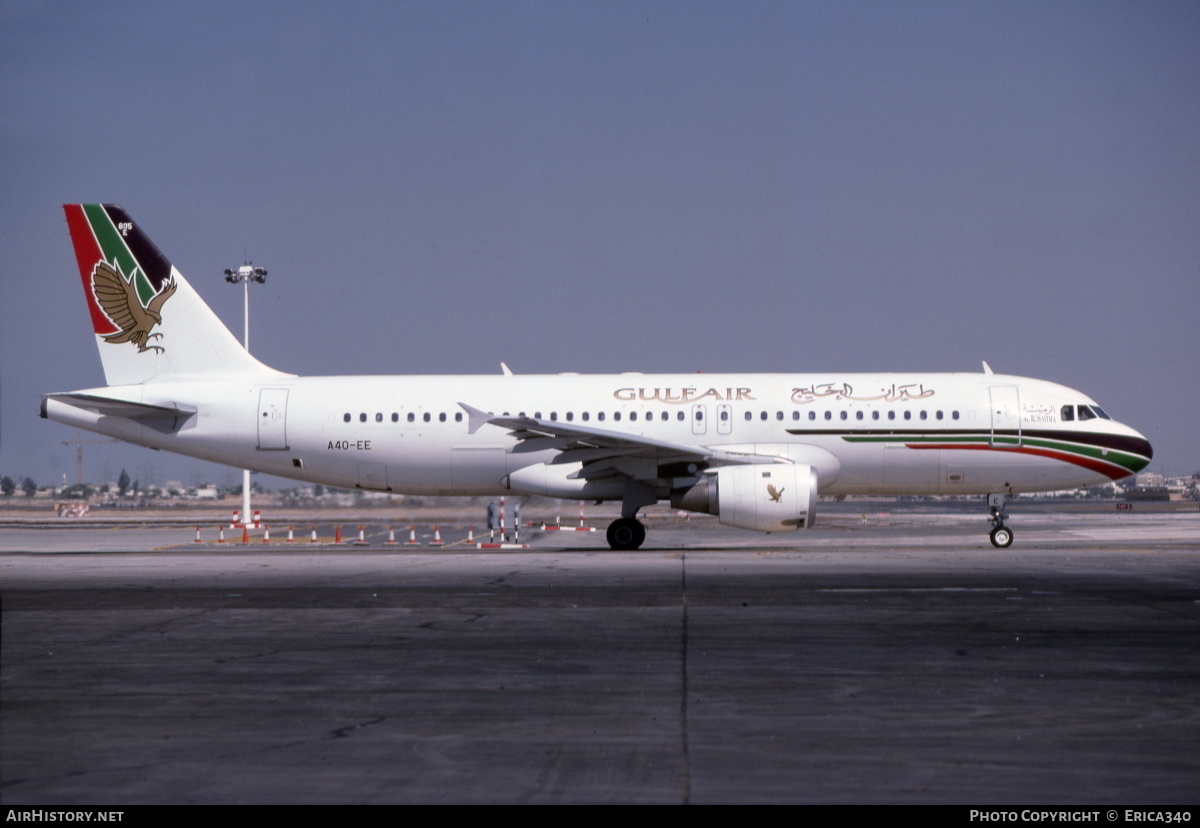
[626, 533]
[1001, 535]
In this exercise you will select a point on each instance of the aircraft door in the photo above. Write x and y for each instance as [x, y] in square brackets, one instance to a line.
[1006, 416]
[699, 419]
[272, 419]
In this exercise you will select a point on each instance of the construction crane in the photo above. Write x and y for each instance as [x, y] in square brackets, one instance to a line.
[79, 443]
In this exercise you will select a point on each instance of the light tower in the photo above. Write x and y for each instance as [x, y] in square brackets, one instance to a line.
[246, 274]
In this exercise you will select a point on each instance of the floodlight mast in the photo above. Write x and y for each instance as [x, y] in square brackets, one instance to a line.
[246, 274]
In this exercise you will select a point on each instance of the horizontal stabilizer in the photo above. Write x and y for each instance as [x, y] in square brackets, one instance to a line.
[112, 407]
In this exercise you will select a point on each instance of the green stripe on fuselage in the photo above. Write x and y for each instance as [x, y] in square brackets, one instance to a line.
[1127, 460]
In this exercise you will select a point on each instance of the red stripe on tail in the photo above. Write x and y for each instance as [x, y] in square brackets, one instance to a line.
[87, 253]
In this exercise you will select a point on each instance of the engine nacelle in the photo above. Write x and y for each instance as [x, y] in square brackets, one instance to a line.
[768, 497]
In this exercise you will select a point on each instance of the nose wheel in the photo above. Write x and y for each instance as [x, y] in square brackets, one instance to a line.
[1001, 535]
[626, 533]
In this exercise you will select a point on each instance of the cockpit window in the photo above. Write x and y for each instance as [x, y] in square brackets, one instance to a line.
[1100, 412]
[1085, 413]
[1068, 413]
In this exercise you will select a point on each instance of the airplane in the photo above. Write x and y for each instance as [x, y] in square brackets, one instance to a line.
[755, 450]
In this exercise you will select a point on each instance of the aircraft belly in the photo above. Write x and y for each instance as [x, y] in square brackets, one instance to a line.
[419, 463]
[861, 469]
[981, 472]
[478, 469]
[910, 471]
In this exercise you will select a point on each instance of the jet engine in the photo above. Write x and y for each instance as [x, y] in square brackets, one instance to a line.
[766, 497]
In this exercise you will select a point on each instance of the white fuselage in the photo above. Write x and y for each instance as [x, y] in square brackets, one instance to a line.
[863, 433]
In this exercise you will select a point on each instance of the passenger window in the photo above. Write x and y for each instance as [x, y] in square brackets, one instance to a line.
[938, 415]
[874, 415]
[858, 415]
[600, 416]
[586, 416]
[395, 417]
[679, 416]
[412, 418]
[346, 418]
[954, 415]
[425, 416]
[795, 415]
[570, 416]
[812, 415]
[763, 416]
[908, 415]
[617, 416]
[633, 416]
[828, 415]
[924, 415]
[458, 416]
[442, 417]
[891, 415]
[749, 416]
[379, 417]
[724, 416]
[362, 418]
[844, 415]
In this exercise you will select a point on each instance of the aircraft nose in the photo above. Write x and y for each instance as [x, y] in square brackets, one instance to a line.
[1141, 446]
[1147, 449]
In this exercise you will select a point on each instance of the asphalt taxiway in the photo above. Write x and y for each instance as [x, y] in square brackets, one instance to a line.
[883, 658]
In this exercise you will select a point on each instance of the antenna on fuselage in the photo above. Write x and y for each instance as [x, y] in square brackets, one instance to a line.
[987, 369]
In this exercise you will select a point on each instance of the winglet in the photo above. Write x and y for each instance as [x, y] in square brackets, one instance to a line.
[476, 419]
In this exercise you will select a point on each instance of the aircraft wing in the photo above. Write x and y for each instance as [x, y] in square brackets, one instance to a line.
[604, 452]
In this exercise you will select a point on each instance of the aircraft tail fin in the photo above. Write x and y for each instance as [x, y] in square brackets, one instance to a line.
[149, 322]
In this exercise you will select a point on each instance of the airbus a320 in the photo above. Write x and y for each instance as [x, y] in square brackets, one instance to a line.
[755, 450]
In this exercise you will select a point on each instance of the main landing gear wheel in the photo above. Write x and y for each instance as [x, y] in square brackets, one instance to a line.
[626, 533]
[1002, 537]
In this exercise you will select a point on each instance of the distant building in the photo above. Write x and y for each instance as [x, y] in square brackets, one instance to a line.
[1148, 486]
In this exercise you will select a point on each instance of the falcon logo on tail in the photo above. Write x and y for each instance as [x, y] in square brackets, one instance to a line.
[119, 301]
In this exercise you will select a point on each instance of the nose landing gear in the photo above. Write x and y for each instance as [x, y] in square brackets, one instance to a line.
[1001, 535]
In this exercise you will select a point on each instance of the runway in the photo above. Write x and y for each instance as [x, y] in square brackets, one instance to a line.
[884, 658]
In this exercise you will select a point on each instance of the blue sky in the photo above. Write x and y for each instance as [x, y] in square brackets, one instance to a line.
[616, 186]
